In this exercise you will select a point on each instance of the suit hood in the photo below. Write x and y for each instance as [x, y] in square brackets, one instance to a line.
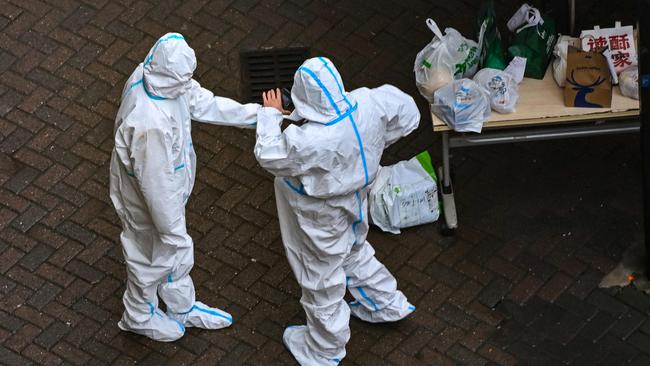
[169, 66]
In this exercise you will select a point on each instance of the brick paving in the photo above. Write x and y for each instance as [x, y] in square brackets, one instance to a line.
[541, 223]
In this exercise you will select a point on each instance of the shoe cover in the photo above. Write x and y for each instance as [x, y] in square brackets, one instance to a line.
[203, 316]
[159, 327]
[294, 340]
[397, 310]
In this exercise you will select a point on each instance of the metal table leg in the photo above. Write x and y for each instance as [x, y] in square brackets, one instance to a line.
[448, 202]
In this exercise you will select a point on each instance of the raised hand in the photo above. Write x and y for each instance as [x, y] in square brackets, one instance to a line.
[273, 99]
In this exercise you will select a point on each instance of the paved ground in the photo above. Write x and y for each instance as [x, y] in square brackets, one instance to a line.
[540, 223]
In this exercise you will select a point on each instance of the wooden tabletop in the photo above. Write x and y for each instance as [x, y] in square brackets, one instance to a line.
[541, 102]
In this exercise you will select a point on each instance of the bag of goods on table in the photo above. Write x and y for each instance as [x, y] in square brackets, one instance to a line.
[587, 80]
[560, 52]
[404, 195]
[503, 89]
[534, 39]
[628, 81]
[446, 57]
[619, 40]
[517, 68]
[463, 105]
[492, 54]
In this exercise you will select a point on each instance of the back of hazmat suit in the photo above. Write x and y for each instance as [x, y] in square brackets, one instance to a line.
[152, 173]
[323, 168]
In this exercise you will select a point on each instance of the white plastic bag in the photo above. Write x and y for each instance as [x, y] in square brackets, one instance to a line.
[559, 63]
[526, 14]
[463, 105]
[628, 81]
[443, 59]
[517, 68]
[503, 89]
[404, 195]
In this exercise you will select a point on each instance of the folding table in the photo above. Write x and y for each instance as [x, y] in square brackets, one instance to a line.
[540, 115]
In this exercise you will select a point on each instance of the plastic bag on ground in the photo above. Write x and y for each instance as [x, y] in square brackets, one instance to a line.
[463, 105]
[503, 89]
[446, 57]
[628, 81]
[559, 63]
[404, 195]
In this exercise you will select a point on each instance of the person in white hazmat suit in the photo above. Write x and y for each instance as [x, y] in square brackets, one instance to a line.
[153, 167]
[323, 168]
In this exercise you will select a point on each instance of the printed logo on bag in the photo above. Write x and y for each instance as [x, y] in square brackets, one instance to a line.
[469, 61]
[463, 99]
[498, 85]
[583, 89]
[550, 42]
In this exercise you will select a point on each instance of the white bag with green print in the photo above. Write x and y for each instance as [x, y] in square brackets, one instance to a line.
[405, 195]
[445, 58]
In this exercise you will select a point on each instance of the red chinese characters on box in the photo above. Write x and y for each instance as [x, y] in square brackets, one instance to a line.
[620, 41]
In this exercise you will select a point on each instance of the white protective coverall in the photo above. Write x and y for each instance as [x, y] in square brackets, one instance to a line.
[153, 167]
[323, 168]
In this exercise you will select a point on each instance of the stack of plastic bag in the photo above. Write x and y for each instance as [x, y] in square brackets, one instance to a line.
[463, 105]
[503, 89]
[447, 57]
[628, 81]
[405, 195]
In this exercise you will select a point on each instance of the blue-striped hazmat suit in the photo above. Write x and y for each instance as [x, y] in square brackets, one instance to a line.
[323, 169]
[153, 167]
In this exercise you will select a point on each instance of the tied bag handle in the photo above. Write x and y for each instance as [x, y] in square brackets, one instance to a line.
[434, 28]
[436, 31]
[533, 18]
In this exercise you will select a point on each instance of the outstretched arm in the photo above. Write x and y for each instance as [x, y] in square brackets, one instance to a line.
[208, 108]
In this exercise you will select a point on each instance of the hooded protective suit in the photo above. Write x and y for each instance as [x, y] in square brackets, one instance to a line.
[152, 173]
[323, 169]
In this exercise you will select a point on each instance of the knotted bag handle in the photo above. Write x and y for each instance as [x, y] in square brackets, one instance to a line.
[533, 18]
[434, 28]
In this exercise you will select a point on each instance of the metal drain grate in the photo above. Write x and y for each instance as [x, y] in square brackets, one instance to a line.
[267, 69]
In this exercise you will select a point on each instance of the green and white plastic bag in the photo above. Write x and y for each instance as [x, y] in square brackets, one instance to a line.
[447, 57]
[405, 194]
[492, 54]
[533, 40]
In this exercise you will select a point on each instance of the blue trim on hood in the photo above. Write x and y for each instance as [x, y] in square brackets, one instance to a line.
[161, 40]
[323, 88]
[151, 96]
[338, 112]
[327, 66]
